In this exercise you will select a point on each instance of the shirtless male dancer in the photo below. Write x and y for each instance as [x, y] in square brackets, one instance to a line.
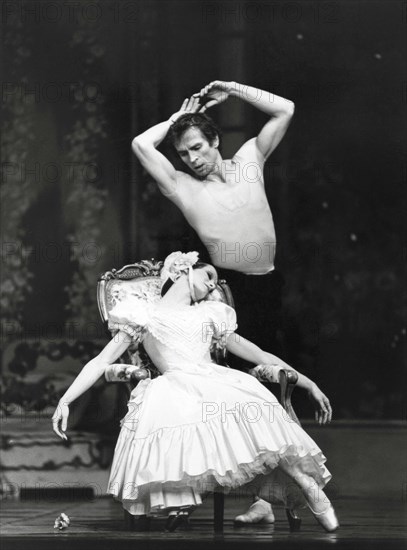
[224, 200]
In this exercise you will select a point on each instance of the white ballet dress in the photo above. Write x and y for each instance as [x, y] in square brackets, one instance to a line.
[200, 426]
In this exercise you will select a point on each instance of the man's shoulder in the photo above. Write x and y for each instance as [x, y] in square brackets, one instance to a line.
[249, 152]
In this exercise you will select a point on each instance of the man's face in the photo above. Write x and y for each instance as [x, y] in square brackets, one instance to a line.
[197, 153]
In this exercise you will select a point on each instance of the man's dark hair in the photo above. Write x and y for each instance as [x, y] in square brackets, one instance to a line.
[195, 120]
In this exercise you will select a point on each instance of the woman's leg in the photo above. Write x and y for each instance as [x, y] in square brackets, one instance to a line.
[315, 497]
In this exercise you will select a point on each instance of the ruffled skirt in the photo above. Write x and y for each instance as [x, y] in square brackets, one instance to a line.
[199, 427]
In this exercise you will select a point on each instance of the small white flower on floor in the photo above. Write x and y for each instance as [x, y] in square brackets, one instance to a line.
[62, 522]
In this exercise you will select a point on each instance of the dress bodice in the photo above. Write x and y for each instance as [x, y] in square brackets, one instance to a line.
[174, 337]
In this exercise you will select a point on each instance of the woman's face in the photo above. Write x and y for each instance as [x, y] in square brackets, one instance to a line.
[205, 280]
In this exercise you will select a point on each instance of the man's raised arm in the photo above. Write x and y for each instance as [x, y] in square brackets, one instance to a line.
[279, 109]
[145, 148]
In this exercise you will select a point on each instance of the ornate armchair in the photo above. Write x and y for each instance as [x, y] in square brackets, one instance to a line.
[142, 280]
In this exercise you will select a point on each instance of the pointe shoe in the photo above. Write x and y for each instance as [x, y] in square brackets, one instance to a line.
[259, 512]
[294, 521]
[327, 519]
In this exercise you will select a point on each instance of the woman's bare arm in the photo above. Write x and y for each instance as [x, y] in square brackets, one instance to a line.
[90, 373]
[245, 349]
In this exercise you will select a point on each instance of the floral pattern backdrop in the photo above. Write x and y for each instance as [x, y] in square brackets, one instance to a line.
[87, 197]
[58, 232]
[16, 193]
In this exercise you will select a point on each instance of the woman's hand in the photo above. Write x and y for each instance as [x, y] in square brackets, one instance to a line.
[323, 409]
[60, 420]
[215, 93]
[189, 105]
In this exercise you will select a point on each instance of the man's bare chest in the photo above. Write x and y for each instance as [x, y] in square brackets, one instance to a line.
[230, 195]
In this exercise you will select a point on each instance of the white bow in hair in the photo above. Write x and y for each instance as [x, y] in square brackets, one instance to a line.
[177, 263]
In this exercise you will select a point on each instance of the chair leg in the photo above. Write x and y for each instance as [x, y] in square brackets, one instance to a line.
[294, 521]
[136, 523]
[218, 511]
[128, 520]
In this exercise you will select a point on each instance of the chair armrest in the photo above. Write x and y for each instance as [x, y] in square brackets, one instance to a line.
[286, 378]
[121, 372]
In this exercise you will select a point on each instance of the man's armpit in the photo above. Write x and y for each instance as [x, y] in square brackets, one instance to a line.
[169, 189]
[249, 152]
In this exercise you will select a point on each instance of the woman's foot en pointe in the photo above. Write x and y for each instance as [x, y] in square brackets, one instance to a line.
[327, 518]
[318, 503]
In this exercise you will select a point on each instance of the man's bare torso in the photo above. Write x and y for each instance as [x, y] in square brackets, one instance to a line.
[231, 215]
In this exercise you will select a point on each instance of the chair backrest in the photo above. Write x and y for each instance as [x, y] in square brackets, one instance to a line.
[142, 280]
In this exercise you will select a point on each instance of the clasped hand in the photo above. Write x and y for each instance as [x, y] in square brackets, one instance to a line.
[213, 93]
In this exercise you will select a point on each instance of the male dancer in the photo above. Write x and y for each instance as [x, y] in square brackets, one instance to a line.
[224, 200]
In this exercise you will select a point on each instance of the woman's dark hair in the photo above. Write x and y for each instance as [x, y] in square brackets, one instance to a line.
[203, 122]
[166, 286]
[169, 282]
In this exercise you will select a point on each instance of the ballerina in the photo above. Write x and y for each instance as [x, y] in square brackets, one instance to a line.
[199, 425]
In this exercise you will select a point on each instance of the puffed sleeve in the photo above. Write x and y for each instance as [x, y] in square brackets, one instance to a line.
[130, 316]
[222, 319]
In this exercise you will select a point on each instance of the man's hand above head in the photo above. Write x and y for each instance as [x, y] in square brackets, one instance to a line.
[145, 147]
[190, 105]
[215, 93]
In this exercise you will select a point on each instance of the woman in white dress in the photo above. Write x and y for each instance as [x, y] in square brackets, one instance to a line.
[200, 425]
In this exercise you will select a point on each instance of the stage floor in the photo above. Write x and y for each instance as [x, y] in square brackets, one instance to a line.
[98, 524]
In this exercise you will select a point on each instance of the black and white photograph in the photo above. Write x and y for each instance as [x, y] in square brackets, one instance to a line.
[203, 279]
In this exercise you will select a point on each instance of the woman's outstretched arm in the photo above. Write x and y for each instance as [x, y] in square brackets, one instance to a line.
[250, 352]
[90, 373]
